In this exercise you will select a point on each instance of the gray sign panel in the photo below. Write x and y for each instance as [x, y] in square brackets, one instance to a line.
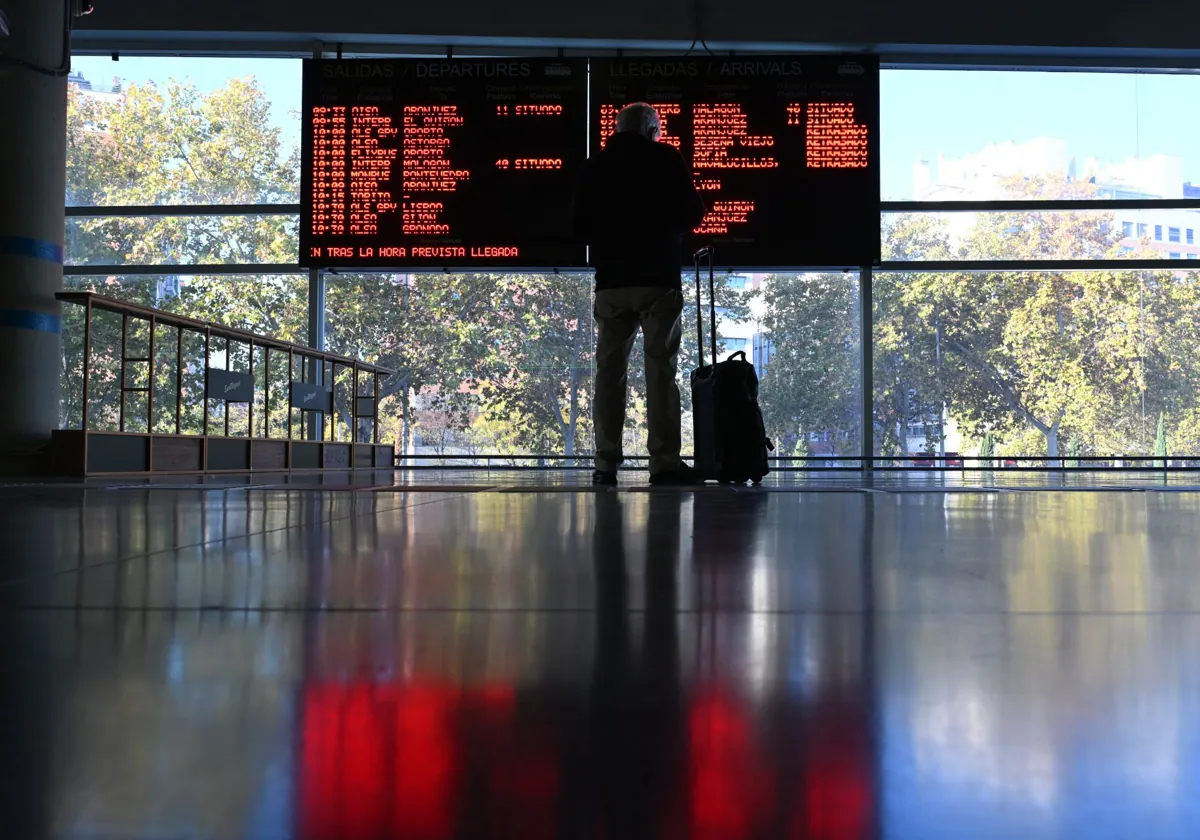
[365, 406]
[310, 397]
[229, 385]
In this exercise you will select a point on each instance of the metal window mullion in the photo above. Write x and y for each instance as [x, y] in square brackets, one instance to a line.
[215, 269]
[866, 298]
[1055, 205]
[948, 266]
[316, 340]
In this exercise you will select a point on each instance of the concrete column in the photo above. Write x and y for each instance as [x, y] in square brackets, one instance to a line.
[32, 186]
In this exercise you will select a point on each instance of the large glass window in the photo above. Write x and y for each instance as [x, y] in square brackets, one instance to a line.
[486, 364]
[1036, 136]
[810, 371]
[181, 240]
[1039, 363]
[496, 364]
[1023, 235]
[501, 364]
[1036, 363]
[960, 135]
[183, 131]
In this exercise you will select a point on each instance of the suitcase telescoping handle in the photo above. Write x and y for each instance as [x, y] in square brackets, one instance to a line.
[697, 258]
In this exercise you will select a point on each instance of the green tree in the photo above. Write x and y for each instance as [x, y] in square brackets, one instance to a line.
[537, 376]
[516, 347]
[1050, 351]
[811, 381]
[151, 146]
[178, 146]
[908, 387]
[431, 329]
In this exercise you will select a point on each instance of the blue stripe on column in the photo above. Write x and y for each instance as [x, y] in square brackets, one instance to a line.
[27, 319]
[38, 249]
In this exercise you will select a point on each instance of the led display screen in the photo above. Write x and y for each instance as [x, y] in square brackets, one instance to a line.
[784, 149]
[441, 162]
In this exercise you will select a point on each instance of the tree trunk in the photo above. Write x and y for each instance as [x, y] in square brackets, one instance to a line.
[573, 417]
[1052, 441]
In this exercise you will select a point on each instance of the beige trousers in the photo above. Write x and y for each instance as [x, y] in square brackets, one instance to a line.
[619, 314]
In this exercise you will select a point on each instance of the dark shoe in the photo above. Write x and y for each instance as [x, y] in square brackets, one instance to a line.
[602, 478]
[685, 476]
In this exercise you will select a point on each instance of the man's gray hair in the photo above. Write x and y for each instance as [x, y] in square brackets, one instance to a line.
[640, 118]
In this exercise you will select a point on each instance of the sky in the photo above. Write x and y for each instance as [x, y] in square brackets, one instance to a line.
[1110, 116]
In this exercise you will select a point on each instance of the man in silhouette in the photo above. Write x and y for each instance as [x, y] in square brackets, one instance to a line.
[634, 202]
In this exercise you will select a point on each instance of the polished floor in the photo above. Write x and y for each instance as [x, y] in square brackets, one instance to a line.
[462, 655]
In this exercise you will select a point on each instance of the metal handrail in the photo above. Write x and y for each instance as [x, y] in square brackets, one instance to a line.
[170, 319]
[967, 266]
[315, 359]
[189, 269]
[157, 210]
[1025, 205]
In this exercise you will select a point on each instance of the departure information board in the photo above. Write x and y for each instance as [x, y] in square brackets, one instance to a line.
[784, 149]
[441, 163]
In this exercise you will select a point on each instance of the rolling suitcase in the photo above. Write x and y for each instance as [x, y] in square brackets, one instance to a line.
[731, 442]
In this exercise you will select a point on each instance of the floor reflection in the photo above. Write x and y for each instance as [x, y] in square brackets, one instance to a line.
[725, 665]
[637, 728]
[421, 745]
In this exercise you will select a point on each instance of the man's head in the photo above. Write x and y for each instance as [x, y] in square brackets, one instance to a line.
[640, 118]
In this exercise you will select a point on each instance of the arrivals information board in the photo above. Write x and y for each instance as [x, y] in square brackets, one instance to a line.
[784, 149]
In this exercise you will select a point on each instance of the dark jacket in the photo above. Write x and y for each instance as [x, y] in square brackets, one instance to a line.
[634, 202]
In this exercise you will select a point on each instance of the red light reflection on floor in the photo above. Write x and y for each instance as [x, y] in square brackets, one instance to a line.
[837, 801]
[386, 761]
[422, 761]
[381, 761]
[836, 795]
[731, 792]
